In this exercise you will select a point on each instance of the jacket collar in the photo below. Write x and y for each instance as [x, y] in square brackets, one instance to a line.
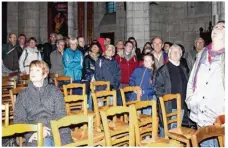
[34, 88]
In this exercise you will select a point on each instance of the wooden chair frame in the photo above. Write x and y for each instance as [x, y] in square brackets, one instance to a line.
[69, 120]
[13, 93]
[185, 134]
[5, 108]
[138, 124]
[99, 94]
[113, 111]
[74, 85]
[99, 83]
[129, 89]
[24, 128]
[208, 132]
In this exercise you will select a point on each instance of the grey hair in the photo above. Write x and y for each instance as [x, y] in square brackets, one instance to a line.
[199, 39]
[61, 40]
[172, 47]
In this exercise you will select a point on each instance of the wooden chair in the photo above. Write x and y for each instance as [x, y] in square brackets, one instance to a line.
[51, 77]
[5, 113]
[103, 98]
[6, 86]
[145, 125]
[117, 133]
[182, 134]
[93, 85]
[70, 120]
[71, 86]
[208, 132]
[127, 90]
[13, 93]
[61, 78]
[24, 128]
[23, 79]
[76, 104]
[171, 143]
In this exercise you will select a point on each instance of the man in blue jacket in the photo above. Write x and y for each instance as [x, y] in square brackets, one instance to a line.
[72, 61]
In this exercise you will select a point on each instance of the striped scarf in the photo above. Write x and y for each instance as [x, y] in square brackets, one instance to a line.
[211, 54]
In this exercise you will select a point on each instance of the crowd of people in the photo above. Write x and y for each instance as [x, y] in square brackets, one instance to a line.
[159, 68]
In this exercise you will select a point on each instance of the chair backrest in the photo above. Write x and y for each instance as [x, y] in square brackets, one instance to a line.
[61, 78]
[102, 97]
[124, 133]
[51, 77]
[208, 132]
[24, 78]
[72, 120]
[5, 114]
[13, 93]
[145, 125]
[24, 128]
[129, 89]
[167, 117]
[94, 84]
[71, 86]
[77, 103]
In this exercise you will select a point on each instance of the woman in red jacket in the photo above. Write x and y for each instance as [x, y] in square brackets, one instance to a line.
[128, 62]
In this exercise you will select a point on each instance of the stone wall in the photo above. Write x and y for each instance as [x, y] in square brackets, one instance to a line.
[121, 24]
[12, 18]
[43, 22]
[29, 19]
[179, 22]
[138, 22]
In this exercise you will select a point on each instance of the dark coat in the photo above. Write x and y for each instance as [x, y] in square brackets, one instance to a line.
[41, 105]
[137, 78]
[88, 67]
[108, 70]
[47, 49]
[11, 59]
[163, 87]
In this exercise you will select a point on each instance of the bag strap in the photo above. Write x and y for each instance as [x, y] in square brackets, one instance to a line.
[26, 55]
[142, 78]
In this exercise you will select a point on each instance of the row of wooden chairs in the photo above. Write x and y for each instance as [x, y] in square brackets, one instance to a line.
[117, 135]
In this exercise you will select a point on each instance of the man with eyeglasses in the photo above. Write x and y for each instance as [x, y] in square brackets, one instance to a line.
[206, 85]
[56, 59]
[191, 55]
[161, 57]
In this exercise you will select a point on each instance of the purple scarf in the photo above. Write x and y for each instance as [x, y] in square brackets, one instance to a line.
[211, 54]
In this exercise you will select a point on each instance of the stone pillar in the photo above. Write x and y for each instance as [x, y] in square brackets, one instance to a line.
[138, 22]
[71, 17]
[121, 25]
[76, 18]
[43, 22]
[29, 19]
[99, 11]
[221, 11]
[12, 18]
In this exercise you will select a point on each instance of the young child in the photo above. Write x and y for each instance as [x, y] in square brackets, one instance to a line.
[143, 77]
[107, 68]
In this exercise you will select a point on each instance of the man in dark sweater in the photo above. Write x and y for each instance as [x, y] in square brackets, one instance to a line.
[48, 48]
[41, 102]
[10, 55]
[172, 78]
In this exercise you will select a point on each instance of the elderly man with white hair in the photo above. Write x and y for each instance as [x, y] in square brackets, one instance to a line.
[206, 85]
[172, 78]
[72, 61]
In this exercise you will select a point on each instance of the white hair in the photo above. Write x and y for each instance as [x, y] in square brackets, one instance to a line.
[199, 39]
[176, 47]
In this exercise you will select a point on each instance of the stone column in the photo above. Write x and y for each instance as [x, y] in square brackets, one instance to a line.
[71, 32]
[43, 22]
[138, 22]
[76, 18]
[121, 25]
[29, 19]
[12, 18]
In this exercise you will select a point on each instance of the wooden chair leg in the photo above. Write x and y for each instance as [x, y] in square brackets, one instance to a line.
[188, 143]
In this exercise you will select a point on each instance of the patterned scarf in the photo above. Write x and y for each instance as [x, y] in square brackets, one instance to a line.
[211, 54]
